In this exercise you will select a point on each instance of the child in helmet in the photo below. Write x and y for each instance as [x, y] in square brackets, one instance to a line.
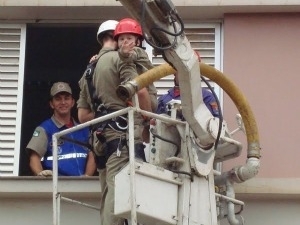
[128, 34]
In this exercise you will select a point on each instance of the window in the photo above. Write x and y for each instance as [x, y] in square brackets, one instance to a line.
[55, 52]
[204, 38]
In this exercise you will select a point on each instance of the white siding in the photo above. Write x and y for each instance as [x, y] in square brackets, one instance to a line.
[12, 48]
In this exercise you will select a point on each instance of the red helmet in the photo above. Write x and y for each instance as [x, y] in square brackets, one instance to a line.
[128, 26]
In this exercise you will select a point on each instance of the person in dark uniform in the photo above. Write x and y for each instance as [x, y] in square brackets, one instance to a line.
[174, 94]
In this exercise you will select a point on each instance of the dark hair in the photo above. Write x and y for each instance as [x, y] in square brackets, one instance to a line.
[106, 35]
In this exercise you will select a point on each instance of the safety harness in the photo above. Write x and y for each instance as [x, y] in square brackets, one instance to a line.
[119, 123]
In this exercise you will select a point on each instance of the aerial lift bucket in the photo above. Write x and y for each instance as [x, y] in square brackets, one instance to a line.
[156, 194]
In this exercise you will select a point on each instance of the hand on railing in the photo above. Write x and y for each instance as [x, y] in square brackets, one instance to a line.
[45, 173]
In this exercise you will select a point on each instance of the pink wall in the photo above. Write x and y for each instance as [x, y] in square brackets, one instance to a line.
[262, 56]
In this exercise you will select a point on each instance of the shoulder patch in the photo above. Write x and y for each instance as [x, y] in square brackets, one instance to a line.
[36, 133]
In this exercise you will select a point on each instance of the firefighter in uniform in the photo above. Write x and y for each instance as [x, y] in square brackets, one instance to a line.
[109, 73]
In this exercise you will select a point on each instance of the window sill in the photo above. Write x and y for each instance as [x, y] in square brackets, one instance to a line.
[269, 188]
[89, 187]
[41, 187]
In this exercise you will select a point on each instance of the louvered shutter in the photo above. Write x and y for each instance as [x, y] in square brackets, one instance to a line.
[205, 39]
[12, 51]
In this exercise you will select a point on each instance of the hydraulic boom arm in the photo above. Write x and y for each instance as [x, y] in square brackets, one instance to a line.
[163, 29]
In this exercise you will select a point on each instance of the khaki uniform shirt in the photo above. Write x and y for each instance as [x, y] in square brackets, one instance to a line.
[109, 73]
[142, 62]
[84, 100]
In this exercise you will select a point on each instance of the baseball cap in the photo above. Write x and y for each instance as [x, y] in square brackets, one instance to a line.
[60, 87]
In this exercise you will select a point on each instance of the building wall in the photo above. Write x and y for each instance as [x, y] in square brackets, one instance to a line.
[28, 211]
[269, 212]
[39, 211]
[28, 200]
[261, 55]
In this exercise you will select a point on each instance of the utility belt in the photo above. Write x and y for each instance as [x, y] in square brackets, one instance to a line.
[117, 145]
[109, 148]
[119, 123]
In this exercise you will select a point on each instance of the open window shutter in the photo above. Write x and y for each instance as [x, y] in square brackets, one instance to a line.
[203, 40]
[12, 48]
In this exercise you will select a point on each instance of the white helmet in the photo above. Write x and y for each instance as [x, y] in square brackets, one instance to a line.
[106, 26]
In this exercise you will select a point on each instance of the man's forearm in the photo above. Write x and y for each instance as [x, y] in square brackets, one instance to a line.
[90, 165]
[144, 100]
[35, 163]
[85, 115]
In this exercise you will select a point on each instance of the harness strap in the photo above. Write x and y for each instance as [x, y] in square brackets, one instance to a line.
[89, 78]
[113, 145]
[118, 124]
[109, 148]
[87, 145]
[89, 73]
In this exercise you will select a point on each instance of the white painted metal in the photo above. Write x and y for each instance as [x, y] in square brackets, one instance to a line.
[156, 194]
[233, 200]
[202, 201]
[161, 150]
[79, 203]
[142, 189]
[132, 179]
[56, 196]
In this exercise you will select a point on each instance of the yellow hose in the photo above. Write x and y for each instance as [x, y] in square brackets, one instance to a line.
[154, 74]
[227, 85]
[241, 103]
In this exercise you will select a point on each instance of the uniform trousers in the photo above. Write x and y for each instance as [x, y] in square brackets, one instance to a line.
[113, 166]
